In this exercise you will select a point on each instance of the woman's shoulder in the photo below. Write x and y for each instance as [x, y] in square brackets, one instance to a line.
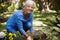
[19, 12]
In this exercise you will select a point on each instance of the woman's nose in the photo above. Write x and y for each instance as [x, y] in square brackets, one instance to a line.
[31, 8]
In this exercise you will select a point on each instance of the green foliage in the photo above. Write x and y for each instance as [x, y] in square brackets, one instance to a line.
[11, 8]
[52, 20]
[3, 7]
[18, 36]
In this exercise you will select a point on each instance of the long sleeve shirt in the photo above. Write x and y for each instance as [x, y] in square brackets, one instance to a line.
[17, 21]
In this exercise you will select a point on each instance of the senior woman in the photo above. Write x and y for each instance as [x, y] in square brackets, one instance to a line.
[22, 20]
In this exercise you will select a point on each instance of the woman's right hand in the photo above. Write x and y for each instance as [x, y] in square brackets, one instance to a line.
[26, 35]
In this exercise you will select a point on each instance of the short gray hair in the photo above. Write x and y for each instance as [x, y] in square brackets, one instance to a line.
[28, 2]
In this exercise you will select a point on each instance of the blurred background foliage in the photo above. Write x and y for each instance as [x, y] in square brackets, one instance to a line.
[52, 20]
[53, 4]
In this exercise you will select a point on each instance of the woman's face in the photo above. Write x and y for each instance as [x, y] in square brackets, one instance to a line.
[29, 8]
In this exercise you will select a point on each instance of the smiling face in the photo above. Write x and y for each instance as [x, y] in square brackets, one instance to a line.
[29, 8]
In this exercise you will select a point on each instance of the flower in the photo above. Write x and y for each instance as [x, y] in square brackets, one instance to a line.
[14, 35]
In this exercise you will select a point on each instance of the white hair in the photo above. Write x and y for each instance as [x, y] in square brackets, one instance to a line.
[28, 2]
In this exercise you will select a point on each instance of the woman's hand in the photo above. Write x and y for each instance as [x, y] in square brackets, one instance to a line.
[26, 35]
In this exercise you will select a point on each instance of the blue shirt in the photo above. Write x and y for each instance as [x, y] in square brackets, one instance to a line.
[18, 22]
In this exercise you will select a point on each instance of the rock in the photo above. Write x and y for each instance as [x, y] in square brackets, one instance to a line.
[1, 34]
[38, 23]
[38, 35]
